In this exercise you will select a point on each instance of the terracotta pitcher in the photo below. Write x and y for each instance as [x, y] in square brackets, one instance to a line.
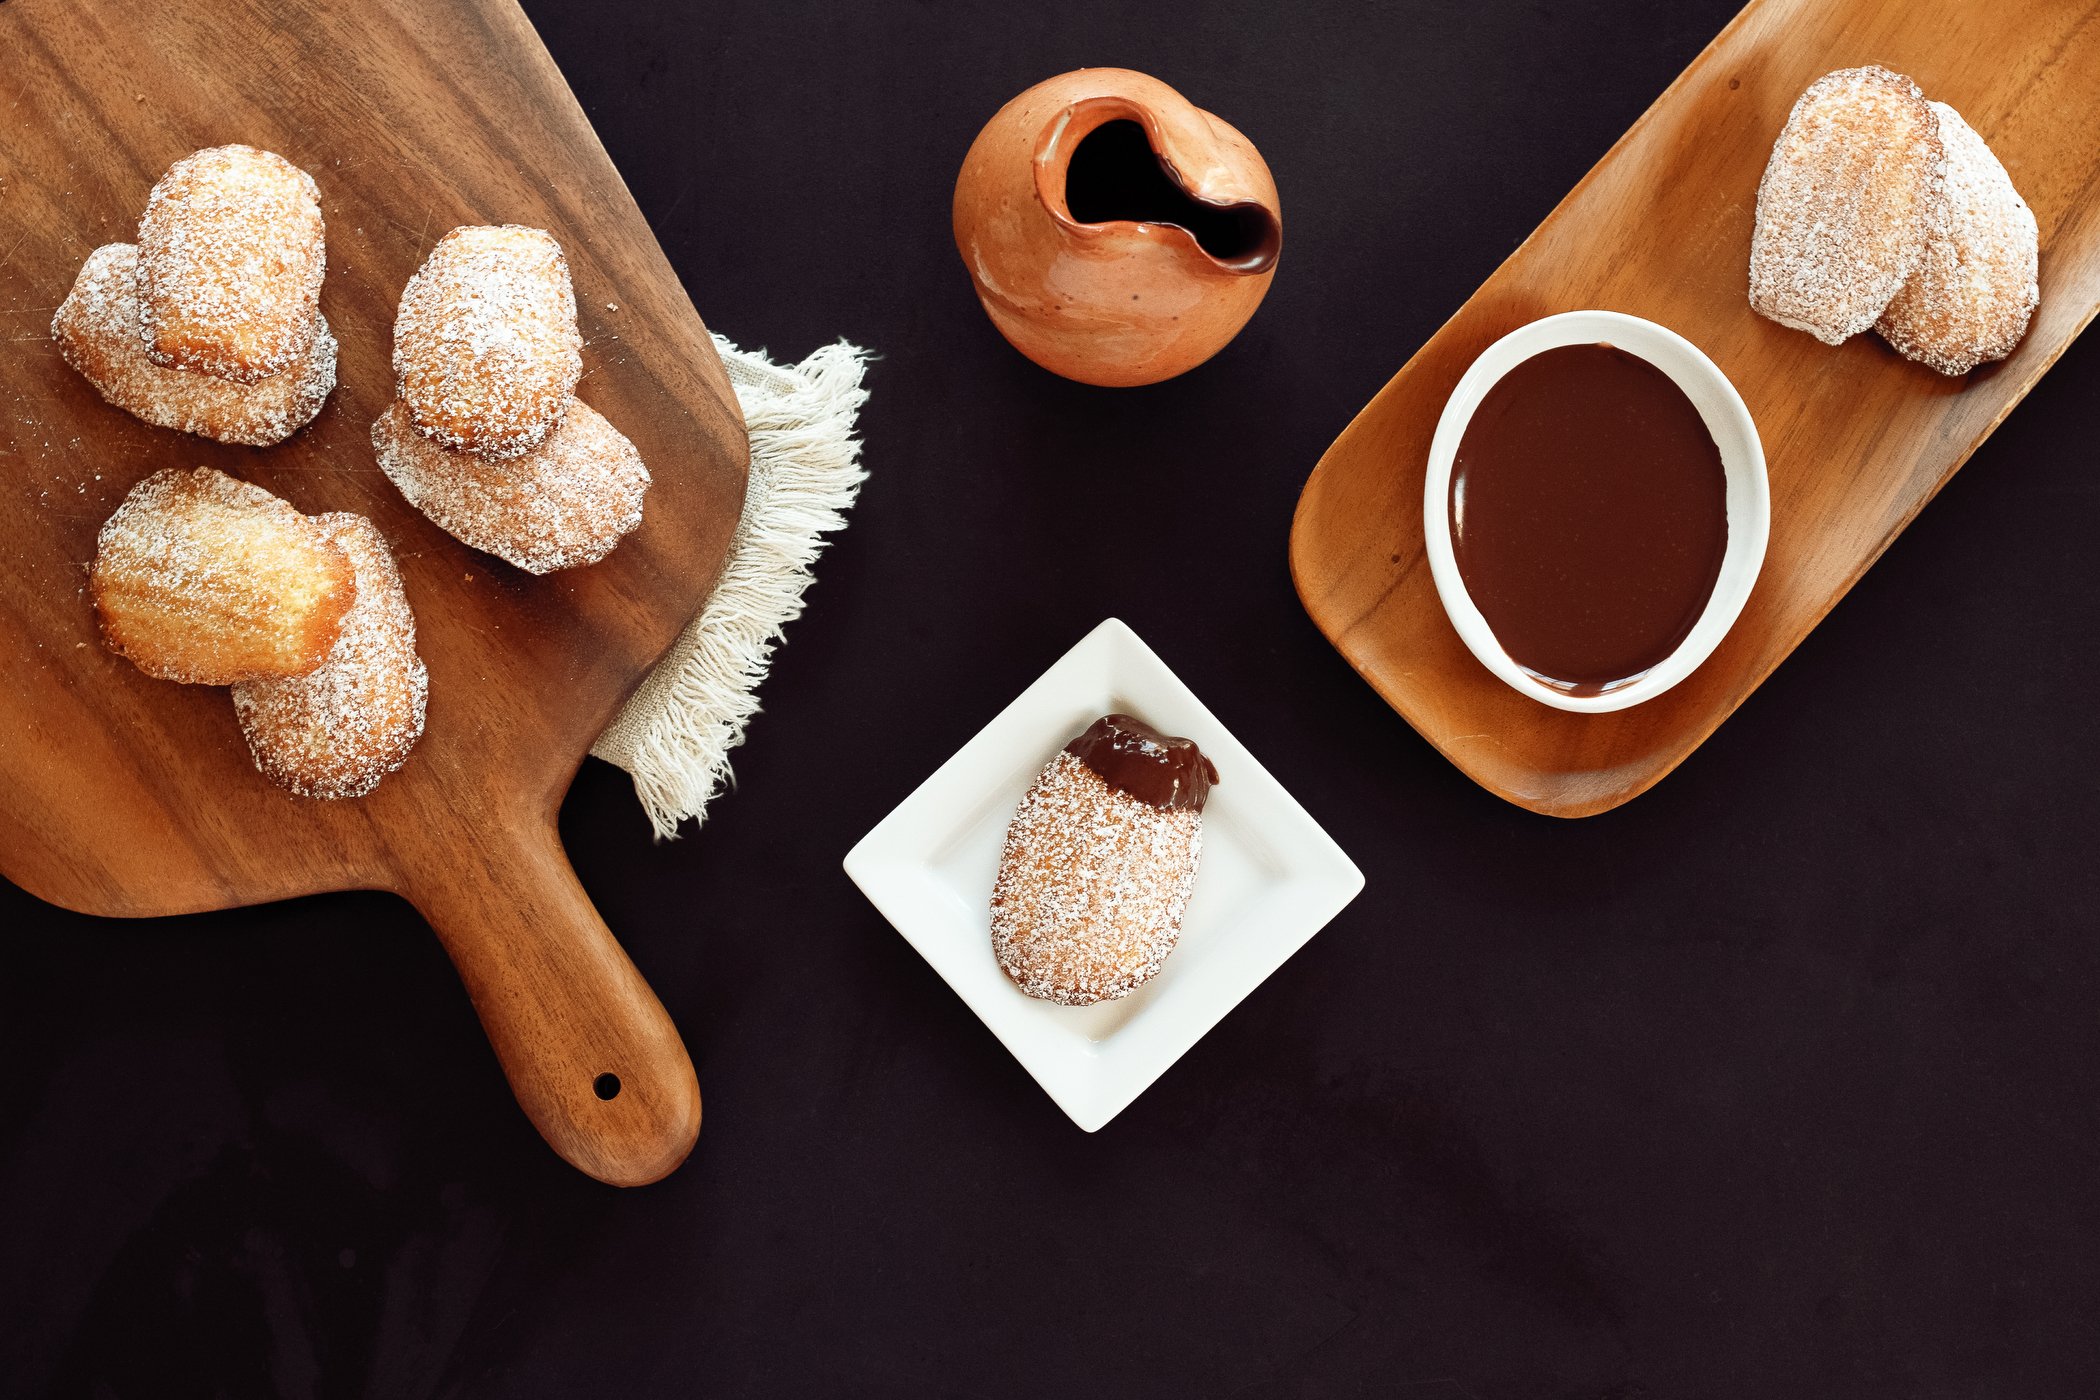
[1117, 233]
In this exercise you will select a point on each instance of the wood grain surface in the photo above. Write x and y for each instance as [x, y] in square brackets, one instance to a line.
[124, 795]
[1856, 438]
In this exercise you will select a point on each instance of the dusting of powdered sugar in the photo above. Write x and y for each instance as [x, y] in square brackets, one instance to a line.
[486, 350]
[232, 252]
[205, 579]
[1091, 888]
[336, 731]
[97, 330]
[1853, 191]
[1974, 290]
[561, 505]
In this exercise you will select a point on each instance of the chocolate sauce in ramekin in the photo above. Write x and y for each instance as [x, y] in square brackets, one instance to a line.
[1589, 515]
[1131, 756]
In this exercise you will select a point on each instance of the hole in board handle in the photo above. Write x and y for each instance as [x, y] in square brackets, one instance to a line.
[606, 1086]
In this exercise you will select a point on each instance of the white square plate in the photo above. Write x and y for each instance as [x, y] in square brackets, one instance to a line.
[1270, 879]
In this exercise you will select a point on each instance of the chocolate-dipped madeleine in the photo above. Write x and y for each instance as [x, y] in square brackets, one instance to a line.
[1099, 862]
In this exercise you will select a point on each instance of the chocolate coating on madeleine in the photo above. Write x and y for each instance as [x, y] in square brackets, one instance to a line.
[1133, 757]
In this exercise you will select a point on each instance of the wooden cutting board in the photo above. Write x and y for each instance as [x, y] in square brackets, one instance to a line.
[1857, 440]
[127, 796]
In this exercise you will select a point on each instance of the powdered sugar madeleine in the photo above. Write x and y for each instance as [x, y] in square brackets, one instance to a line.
[1099, 862]
[337, 730]
[1974, 289]
[208, 580]
[232, 251]
[1851, 196]
[564, 504]
[97, 330]
[486, 350]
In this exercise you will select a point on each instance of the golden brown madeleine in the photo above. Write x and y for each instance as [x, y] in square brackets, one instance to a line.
[97, 330]
[1099, 862]
[1849, 198]
[337, 730]
[1974, 290]
[231, 255]
[202, 578]
[564, 504]
[486, 350]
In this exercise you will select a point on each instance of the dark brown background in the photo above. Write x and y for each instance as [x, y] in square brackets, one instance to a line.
[1782, 1081]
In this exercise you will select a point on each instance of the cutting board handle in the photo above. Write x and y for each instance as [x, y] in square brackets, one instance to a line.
[590, 1052]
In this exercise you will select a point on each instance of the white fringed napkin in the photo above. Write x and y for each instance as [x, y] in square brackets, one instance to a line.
[675, 734]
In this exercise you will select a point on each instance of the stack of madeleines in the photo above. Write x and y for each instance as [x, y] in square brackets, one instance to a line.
[207, 580]
[1880, 208]
[211, 323]
[485, 435]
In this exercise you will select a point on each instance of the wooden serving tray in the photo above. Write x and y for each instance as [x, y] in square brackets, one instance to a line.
[1857, 439]
[127, 796]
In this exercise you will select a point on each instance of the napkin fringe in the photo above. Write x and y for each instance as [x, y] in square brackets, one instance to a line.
[675, 733]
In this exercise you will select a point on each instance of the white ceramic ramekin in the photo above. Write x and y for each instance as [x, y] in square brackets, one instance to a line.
[1742, 458]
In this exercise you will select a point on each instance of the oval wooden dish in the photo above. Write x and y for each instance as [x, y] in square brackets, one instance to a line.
[1857, 440]
[123, 795]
